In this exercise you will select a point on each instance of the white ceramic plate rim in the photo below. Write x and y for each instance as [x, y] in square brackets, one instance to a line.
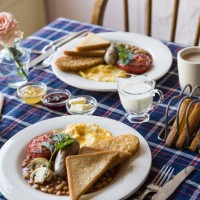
[162, 60]
[128, 180]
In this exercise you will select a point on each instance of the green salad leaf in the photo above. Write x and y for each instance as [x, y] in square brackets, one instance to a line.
[124, 54]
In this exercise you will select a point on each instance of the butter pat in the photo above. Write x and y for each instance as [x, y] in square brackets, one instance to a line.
[78, 100]
[80, 107]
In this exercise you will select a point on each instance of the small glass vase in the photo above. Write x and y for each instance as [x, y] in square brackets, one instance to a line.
[14, 66]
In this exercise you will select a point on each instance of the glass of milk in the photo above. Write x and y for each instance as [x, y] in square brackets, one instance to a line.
[136, 93]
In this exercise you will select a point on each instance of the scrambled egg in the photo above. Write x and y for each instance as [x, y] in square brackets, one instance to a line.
[102, 73]
[87, 133]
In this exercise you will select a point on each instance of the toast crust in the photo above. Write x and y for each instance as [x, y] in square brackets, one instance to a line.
[96, 53]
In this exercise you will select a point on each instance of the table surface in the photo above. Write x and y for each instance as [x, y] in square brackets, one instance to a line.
[17, 115]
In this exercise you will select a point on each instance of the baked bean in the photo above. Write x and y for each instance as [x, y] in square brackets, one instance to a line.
[65, 188]
[27, 175]
[59, 193]
[44, 189]
[51, 184]
[64, 183]
[47, 186]
[59, 187]
[24, 164]
[50, 190]
[36, 186]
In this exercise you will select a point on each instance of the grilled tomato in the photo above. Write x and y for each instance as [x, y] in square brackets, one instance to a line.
[138, 64]
[35, 148]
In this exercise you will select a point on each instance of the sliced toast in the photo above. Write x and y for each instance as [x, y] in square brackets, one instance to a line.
[122, 156]
[97, 53]
[72, 63]
[125, 143]
[84, 170]
[92, 42]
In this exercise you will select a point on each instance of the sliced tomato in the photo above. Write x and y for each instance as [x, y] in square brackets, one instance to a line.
[35, 148]
[138, 65]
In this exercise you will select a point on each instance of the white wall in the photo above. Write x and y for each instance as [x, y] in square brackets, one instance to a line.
[162, 9]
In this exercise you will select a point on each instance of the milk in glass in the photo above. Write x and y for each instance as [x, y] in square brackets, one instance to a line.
[136, 97]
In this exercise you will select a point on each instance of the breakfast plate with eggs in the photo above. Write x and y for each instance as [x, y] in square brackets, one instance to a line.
[90, 131]
[101, 77]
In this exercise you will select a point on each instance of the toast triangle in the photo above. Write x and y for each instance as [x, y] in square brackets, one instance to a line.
[92, 42]
[122, 155]
[84, 170]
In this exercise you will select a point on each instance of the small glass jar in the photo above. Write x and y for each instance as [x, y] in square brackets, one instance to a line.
[84, 108]
[32, 92]
[14, 66]
[56, 99]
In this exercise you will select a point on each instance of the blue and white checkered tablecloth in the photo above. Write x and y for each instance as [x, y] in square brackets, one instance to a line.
[17, 115]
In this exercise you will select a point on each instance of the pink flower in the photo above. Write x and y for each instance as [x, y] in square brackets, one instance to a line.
[9, 29]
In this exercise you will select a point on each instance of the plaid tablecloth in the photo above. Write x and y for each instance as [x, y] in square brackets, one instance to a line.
[17, 115]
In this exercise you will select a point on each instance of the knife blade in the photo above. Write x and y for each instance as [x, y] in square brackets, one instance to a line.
[41, 57]
[171, 186]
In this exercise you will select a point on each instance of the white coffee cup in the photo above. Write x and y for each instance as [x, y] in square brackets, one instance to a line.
[189, 67]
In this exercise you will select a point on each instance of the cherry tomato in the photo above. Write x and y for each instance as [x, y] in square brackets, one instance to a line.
[138, 65]
[35, 148]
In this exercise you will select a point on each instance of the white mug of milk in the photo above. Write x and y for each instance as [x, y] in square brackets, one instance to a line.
[136, 93]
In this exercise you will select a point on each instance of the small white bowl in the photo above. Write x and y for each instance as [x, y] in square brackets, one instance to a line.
[89, 100]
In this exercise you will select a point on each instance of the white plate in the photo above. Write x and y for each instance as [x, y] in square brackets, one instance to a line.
[162, 60]
[130, 177]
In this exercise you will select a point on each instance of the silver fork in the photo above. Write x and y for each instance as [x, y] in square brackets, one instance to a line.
[161, 179]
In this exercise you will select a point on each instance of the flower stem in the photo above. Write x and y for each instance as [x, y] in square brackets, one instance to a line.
[16, 55]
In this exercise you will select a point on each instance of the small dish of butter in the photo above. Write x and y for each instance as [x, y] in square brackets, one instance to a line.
[81, 105]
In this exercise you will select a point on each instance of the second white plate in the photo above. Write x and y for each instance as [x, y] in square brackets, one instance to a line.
[131, 176]
[162, 60]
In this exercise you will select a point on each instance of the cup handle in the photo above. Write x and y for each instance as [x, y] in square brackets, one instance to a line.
[161, 98]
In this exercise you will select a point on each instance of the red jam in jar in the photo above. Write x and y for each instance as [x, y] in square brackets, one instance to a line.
[56, 99]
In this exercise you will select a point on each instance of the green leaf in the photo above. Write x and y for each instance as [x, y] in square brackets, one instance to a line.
[48, 145]
[124, 54]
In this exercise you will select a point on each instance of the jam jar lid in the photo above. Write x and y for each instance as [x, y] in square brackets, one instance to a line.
[56, 97]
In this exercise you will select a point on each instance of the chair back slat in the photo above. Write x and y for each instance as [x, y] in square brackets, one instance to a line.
[174, 20]
[126, 16]
[98, 11]
[100, 5]
[148, 17]
[197, 35]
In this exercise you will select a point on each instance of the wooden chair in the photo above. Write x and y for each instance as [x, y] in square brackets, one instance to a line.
[100, 5]
[98, 13]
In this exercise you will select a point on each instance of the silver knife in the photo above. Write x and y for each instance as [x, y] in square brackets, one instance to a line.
[41, 57]
[171, 186]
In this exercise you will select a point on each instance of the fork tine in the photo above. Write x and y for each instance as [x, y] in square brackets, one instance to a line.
[166, 176]
[169, 176]
[160, 174]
